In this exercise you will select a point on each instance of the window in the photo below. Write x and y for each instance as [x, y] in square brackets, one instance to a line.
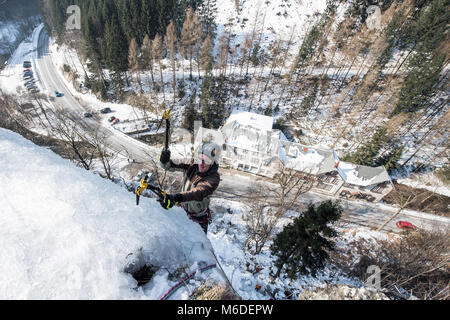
[323, 186]
[378, 188]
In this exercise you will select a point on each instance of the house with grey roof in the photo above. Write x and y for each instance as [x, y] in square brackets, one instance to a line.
[252, 145]
[362, 182]
[318, 163]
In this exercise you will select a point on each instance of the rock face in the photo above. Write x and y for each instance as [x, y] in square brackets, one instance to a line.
[342, 292]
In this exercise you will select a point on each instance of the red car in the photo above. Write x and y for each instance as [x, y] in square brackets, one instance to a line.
[404, 225]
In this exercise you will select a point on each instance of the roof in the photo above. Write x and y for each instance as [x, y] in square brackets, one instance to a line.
[203, 135]
[307, 159]
[362, 175]
[254, 120]
[248, 138]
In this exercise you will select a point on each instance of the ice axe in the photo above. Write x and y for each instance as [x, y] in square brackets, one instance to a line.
[166, 116]
[146, 185]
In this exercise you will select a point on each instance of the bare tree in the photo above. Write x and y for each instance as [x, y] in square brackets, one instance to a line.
[157, 49]
[190, 35]
[148, 58]
[68, 129]
[133, 60]
[103, 151]
[206, 58]
[172, 48]
[269, 205]
[403, 202]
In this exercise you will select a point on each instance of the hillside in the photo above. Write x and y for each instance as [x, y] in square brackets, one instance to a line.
[341, 75]
[17, 19]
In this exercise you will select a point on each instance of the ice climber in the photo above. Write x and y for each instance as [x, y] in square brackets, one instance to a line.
[201, 179]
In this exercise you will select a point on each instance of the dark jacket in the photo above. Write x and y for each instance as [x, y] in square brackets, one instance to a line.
[196, 188]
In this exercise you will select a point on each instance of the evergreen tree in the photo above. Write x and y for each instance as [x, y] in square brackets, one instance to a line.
[366, 155]
[149, 18]
[391, 160]
[424, 34]
[206, 58]
[419, 86]
[205, 101]
[302, 245]
[116, 47]
[310, 99]
[208, 13]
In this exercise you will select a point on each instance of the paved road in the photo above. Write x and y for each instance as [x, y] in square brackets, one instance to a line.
[51, 80]
[362, 213]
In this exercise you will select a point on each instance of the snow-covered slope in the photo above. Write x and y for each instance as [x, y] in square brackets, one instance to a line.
[275, 19]
[68, 234]
[12, 32]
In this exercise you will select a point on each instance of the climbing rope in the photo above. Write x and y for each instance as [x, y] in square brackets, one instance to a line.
[184, 281]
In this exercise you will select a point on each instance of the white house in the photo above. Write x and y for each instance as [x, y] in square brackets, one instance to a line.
[251, 144]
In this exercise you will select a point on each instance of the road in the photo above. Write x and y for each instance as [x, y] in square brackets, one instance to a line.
[51, 80]
[233, 183]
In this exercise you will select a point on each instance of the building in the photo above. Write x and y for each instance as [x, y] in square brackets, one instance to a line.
[319, 164]
[361, 182]
[251, 144]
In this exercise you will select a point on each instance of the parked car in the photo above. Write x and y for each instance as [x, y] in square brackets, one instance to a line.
[27, 77]
[405, 225]
[58, 94]
[27, 70]
[87, 115]
[111, 119]
[27, 64]
[105, 110]
[35, 90]
[115, 121]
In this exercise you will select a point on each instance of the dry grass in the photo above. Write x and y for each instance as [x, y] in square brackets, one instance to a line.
[418, 262]
[425, 201]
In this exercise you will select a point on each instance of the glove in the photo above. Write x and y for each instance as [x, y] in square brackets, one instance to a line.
[170, 200]
[165, 157]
